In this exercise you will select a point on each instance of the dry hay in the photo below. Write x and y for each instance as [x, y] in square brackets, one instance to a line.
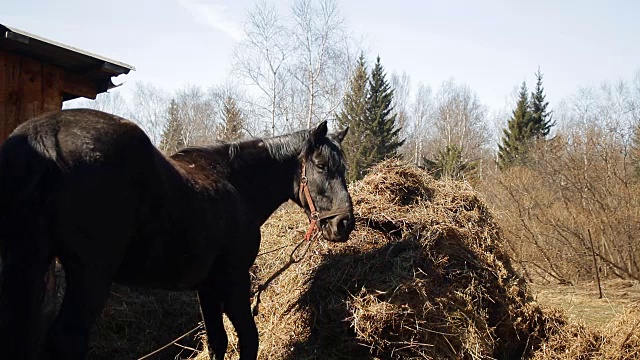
[618, 340]
[135, 322]
[424, 275]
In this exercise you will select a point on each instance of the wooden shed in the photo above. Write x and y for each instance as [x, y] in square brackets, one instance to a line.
[37, 75]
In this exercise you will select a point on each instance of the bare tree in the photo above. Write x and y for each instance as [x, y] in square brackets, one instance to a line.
[416, 128]
[318, 30]
[148, 108]
[401, 85]
[112, 102]
[261, 58]
[197, 116]
[459, 119]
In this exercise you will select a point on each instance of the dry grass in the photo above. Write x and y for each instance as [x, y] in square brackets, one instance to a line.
[581, 301]
[618, 340]
[599, 328]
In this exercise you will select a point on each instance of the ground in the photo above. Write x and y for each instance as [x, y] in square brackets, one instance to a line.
[581, 300]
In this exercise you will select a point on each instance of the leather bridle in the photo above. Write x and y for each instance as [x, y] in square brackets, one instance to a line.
[315, 216]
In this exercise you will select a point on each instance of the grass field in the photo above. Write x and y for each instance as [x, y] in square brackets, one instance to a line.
[581, 301]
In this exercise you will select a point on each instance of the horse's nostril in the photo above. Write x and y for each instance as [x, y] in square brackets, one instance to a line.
[343, 224]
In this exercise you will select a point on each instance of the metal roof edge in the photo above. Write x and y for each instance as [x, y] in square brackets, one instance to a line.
[126, 67]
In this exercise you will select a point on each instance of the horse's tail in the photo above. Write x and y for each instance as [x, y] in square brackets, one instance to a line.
[25, 248]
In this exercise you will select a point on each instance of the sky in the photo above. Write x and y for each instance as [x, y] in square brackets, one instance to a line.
[490, 45]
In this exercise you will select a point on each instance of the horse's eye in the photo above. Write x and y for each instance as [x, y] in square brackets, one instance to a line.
[321, 166]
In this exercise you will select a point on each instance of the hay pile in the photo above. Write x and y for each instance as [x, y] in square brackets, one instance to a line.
[424, 275]
[136, 321]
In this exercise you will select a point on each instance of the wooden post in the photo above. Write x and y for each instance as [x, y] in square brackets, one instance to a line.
[595, 264]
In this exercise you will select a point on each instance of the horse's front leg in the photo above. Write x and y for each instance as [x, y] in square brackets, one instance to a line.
[237, 306]
[211, 308]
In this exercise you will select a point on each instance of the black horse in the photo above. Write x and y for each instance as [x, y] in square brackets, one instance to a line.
[91, 189]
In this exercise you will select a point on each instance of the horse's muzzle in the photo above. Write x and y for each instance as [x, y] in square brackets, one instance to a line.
[338, 228]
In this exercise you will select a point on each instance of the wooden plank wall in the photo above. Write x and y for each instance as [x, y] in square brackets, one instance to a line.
[28, 88]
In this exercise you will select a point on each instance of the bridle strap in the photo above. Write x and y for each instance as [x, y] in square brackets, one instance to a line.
[329, 214]
[314, 216]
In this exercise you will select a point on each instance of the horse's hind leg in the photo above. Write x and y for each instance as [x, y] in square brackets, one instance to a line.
[87, 289]
[21, 297]
[237, 306]
[211, 308]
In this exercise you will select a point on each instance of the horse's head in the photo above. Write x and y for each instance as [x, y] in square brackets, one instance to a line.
[322, 173]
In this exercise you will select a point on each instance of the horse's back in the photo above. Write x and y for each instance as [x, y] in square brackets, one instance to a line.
[83, 136]
[74, 174]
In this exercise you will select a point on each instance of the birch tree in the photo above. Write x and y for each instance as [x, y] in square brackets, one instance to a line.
[260, 59]
[319, 44]
[148, 108]
[459, 119]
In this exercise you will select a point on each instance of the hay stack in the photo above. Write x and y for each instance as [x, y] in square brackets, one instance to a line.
[137, 321]
[424, 275]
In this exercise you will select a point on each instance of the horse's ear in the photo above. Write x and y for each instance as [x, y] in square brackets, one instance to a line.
[319, 132]
[339, 136]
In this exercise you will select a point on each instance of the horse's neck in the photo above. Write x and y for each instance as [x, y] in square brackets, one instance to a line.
[264, 180]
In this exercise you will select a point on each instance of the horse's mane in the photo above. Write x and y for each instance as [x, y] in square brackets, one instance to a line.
[280, 147]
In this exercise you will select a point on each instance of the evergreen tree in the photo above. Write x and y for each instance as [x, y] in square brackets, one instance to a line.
[353, 116]
[540, 117]
[383, 136]
[173, 134]
[518, 133]
[449, 164]
[233, 120]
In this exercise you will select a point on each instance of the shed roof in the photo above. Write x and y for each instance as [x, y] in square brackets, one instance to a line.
[67, 57]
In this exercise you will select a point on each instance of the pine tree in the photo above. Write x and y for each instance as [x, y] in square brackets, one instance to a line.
[353, 116]
[449, 164]
[173, 134]
[233, 120]
[540, 117]
[517, 135]
[383, 140]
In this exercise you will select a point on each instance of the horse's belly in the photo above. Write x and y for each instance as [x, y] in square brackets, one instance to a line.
[176, 271]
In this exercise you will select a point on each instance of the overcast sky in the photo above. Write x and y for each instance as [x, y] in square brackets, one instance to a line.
[490, 45]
